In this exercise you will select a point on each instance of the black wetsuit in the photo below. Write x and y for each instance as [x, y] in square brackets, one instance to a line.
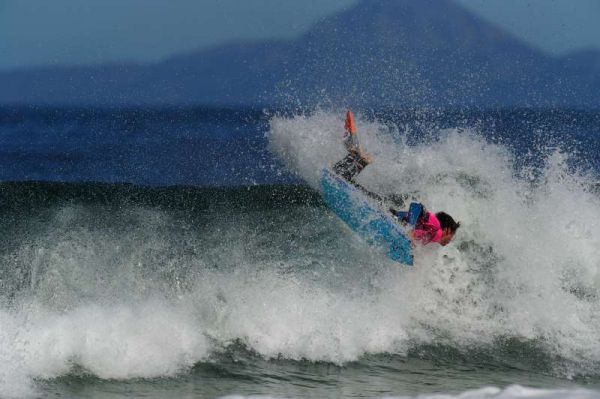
[351, 165]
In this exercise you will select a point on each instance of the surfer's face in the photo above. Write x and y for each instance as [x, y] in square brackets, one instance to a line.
[447, 236]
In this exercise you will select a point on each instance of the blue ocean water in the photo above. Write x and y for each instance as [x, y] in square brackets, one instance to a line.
[140, 146]
[199, 146]
[187, 253]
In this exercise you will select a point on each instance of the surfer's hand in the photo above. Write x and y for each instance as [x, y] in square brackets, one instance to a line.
[413, 240]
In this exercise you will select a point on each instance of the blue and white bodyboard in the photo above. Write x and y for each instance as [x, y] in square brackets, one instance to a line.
[364, 217]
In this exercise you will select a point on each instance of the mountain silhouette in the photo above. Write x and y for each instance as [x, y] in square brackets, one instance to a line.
[396, 53]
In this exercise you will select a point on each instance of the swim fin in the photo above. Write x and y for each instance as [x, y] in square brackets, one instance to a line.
[349, 125]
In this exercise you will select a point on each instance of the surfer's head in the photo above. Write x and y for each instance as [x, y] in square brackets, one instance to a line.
[448, 225]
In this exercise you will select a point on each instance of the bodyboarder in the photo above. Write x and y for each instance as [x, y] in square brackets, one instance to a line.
[428, 227]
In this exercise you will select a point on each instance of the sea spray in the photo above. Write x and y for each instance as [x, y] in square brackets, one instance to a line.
[525, 264]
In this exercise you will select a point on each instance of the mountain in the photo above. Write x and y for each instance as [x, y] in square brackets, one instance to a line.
[378, 53]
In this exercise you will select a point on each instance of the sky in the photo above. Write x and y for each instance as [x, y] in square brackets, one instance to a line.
[555, 26]
[75, 32]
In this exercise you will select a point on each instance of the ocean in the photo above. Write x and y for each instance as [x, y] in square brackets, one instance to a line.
[187, 253]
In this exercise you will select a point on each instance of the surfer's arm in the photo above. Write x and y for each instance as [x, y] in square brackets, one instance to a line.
[413, 240]
[424, 235]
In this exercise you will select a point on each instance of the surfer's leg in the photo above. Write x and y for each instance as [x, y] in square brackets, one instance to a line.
[351, 165]
[345, 167]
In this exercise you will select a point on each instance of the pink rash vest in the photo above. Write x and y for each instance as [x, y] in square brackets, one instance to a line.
[429, 230]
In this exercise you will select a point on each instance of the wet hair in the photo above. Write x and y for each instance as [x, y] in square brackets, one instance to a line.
[446, 222]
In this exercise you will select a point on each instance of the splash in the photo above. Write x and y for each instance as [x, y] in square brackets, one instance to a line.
[525, 265]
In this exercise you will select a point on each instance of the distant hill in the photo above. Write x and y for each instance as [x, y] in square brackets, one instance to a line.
[378, 53]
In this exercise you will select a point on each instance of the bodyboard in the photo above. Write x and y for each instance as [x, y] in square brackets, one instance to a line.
[363, 216]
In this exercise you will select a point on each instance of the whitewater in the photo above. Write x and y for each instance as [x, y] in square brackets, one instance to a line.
[124, 286]
[524, 268]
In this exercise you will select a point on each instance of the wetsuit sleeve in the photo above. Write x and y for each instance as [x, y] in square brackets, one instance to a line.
[425, 234]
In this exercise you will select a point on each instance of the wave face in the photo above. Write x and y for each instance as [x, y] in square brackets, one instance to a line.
[116, 282]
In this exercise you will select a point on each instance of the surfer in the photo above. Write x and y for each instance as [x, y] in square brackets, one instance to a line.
[428, 227]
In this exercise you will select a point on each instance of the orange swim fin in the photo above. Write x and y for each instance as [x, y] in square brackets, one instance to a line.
[349, 125]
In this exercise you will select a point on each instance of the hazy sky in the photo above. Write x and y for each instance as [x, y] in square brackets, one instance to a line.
[556, 26]
[41, 32]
